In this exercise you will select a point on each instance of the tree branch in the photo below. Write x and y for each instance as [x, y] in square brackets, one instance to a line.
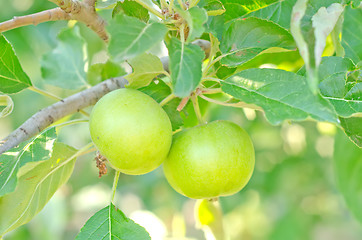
[68, 10]
[90, 2]
[68, 5]
[36, 18]
[45, 117]
[84, 12]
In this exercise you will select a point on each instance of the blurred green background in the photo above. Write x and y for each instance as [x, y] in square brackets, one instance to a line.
[291, 195]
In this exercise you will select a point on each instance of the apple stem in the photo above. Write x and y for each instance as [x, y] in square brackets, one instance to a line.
[115, 182]
[195, 103]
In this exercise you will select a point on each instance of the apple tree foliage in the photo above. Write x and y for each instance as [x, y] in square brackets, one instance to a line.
[248, 40]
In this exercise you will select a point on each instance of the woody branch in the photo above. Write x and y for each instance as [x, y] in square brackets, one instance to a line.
[68, 10]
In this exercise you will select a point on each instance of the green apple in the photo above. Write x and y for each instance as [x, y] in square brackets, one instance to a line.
[210, 160]
[131, 130]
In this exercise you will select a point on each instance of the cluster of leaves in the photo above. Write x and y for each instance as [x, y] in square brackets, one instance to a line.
[243, 36]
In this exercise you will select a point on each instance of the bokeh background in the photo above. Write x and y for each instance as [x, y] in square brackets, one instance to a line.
[292, 194]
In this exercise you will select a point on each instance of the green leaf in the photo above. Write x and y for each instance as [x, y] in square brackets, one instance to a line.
[353, 129]
[353, 3]
[215, 45]
[213, 7]
[150, 3]
[333, 73]
[246, 38]
[348, 168]
[335, 36]
[185, 66]
[132, 9]
[298, 12]
[352, 34]
[38, 149]
[159, 90]
[145, 68]
[131, 37]
[282, 95]
[64, 66]
[350, 104]
[356, 3]
[346, 107]
[334, 85]
[223, 72]
[355, 92]
[312, 22]
[238, 8]
[37, 184]
[111, 223]
[12, 77]
[216, 26]
[197, 19]
[8, 104]
[171, 109]
[323, 23]
[278, 12]
[332, 65]
[102, 71]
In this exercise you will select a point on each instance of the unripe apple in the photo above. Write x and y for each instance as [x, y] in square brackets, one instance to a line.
[131, 130]
[210, 160]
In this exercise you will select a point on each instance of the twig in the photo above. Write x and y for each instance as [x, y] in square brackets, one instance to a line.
[183, 103]
[45, 117]
[36, 18]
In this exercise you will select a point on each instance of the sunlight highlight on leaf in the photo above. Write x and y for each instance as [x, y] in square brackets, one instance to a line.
[37, 184]
[38, 149]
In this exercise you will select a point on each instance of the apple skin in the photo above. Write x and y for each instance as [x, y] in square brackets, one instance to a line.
[131, 130]
[210, 160]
